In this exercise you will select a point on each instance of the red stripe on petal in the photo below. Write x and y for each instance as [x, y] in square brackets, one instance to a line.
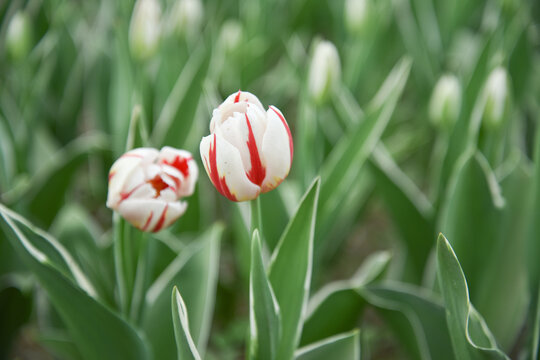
[286, 127]
[161, 220]
[181, 164]
[257, 172]
[148, 221]
[158, 184]
[219, 183]
[237, 97]
[125, 195]
[132, 155]
[111, 175]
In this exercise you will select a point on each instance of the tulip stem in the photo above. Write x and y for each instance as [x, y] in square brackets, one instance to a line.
[256, 220]
[119, 263]
[140, 278]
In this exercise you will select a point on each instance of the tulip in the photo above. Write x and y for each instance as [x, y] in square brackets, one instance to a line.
[145, 29]
[324, 71]
[496, 98]
[146, 185]
[186, 17]
[249, 151]
[356, 14]
[445, 102]
[19, 36]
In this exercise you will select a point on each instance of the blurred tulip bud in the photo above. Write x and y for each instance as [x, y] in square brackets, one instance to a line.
[19, 36]
[496, 98]
[356, 14]
[186, 17]
[231, 36]
[146, 186]
[445, 103]
[145, 29]
[249, 150]
[324, 71]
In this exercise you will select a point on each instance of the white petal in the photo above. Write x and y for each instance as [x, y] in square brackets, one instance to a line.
[225, 169]
[122, 170]
[179, 164]
[276, 149]
[243, 96]
[151, 214]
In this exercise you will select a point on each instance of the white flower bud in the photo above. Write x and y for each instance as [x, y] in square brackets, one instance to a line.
[249, 150]
[356, 15]
[496, 98]
[19, 36]
[146, 186]
[324, 71]
[186, 17]
[231, 35]
[445, 103]
[145, 29]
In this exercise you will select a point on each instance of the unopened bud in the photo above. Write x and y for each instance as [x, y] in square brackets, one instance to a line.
[144, 29]
[356, 15]
[231, 35]
[324, 71]
[445, 103]
[19, 36]
[496, 98]
[186, 17]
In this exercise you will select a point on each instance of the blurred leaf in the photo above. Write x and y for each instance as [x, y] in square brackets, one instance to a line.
[76, 230]
[265, 321]
[337, 306]
[340, 170]
[290, 270]
[465, 131]
[98, 332]
[60, 343]
[488, 234]
[415, 316]
[184, 342]
[45, 193]
[470, 335]
[411, 210]
[15, 310]
[176, 117]
[137, 132]
[343, 346]
[194, 272]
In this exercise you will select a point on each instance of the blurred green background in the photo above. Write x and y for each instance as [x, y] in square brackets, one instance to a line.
[73, 75]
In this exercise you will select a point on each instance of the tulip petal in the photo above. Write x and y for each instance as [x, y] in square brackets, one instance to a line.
[122, 170]
[224, 166]
[151, 214]
[180, 166]
[277, 149]
[243, 96]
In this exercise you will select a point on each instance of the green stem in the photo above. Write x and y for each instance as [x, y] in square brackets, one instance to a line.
[140, 279]
[256, 220]
[119, 263]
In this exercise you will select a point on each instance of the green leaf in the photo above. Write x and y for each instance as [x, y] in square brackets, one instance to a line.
[338, 306]
[415, 316]
[488, 233]
[265, 321]
[178, 113]
[470, 335]
[343, 346]
[184, 342]
[194, 271]
[46, 191]
[411, 210]
[137, 132]
[340, 170]
[290, 270]
[98, 332]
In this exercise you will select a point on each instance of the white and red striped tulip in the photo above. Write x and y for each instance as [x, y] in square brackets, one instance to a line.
[249, 150]
[146, 186]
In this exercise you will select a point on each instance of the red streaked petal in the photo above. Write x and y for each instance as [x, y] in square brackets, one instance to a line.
[257, 172]
[161, 220]
[219, 182]
[280, 115]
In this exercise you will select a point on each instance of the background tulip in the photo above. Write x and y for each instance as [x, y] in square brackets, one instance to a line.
[249, 150]
[145, 186]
